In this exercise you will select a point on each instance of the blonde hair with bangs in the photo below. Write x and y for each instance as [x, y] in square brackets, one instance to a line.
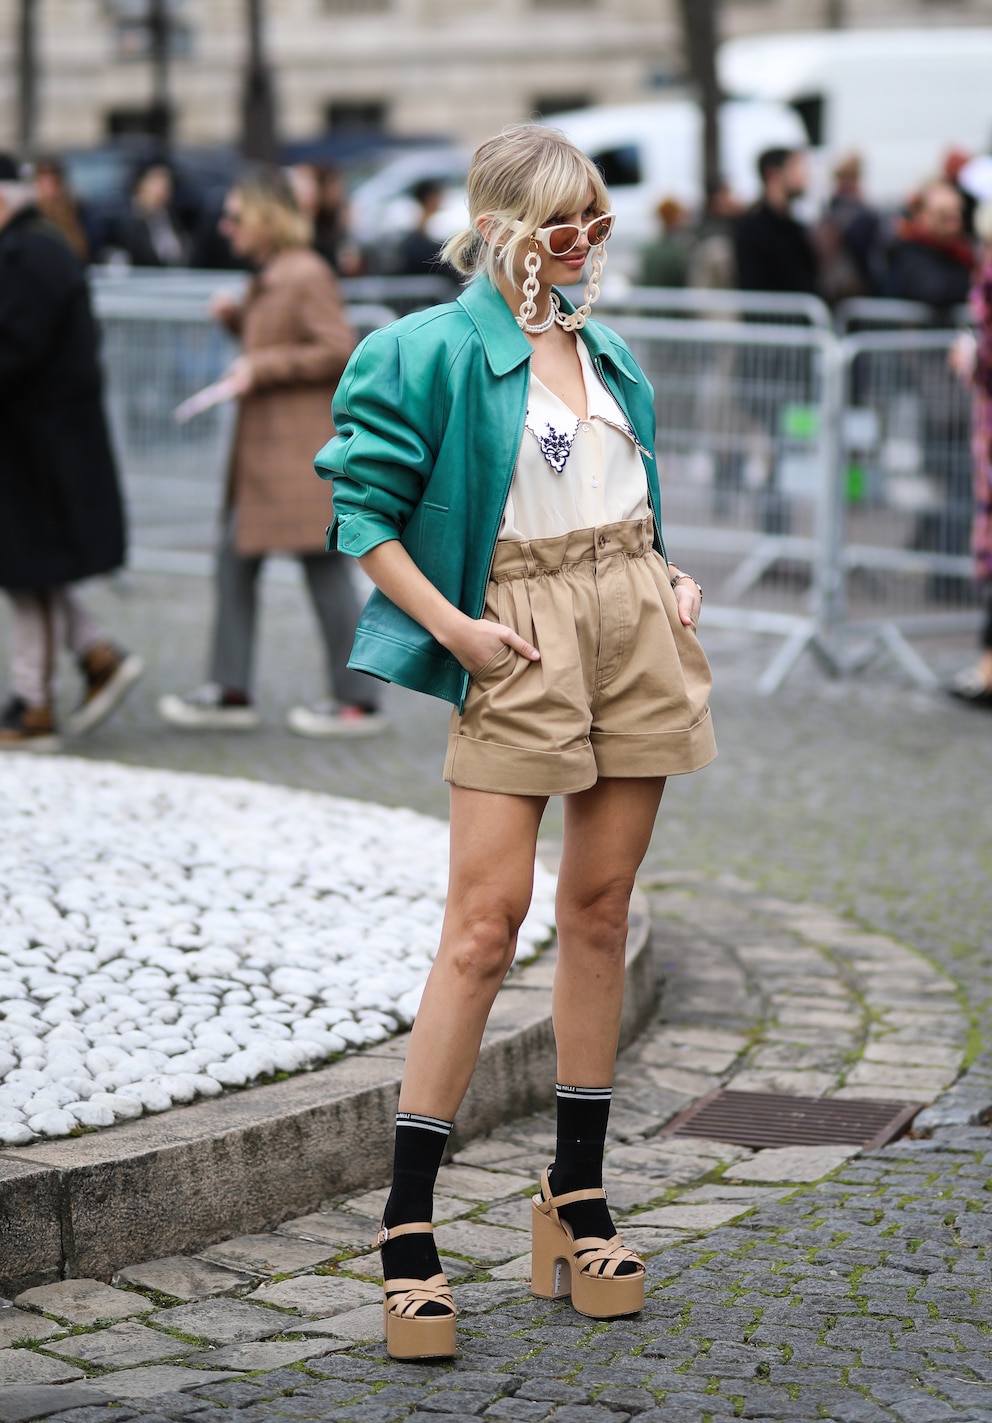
[267, 199]
[528, 174]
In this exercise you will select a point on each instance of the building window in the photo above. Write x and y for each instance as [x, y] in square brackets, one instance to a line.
[152, 121]
[361, 116]
[133, 28]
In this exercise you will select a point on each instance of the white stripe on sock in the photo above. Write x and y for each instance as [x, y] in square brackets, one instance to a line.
[414, 1119]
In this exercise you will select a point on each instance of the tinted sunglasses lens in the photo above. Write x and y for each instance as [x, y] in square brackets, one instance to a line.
[599, 230]
[562, 239]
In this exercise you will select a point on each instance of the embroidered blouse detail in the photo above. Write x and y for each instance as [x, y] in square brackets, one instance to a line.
[556, 444]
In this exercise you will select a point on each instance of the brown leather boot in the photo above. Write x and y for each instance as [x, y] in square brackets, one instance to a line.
[110, 674]
[27, 728]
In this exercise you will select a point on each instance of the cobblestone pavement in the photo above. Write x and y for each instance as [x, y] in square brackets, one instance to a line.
[802, 1287]
[792, 1284]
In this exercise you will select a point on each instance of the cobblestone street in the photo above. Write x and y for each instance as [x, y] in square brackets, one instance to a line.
[820, 906]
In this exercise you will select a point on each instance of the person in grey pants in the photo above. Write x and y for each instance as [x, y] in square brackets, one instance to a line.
[295, 340]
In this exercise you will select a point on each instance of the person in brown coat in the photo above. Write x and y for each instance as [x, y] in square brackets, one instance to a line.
[295, 341]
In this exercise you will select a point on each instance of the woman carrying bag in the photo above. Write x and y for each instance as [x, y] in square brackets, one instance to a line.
[493, 471]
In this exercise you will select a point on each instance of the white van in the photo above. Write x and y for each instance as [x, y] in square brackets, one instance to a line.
[652, 151]
[901, 98]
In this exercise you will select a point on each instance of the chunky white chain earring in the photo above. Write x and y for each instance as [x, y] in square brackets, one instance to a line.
[531, 287]
[580, 315]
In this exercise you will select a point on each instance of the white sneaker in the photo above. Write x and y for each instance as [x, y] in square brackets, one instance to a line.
[333, 719]
[204, 709]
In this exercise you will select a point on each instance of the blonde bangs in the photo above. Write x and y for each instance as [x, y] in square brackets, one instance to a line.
[527, 174]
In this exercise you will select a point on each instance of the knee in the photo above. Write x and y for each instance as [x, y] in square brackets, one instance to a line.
[599, 912]
[482, 945]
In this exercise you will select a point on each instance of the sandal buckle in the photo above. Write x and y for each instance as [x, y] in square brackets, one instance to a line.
[381, 1238]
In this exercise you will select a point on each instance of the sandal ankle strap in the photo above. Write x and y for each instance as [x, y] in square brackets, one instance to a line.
[391, 1232]
[593, 1193]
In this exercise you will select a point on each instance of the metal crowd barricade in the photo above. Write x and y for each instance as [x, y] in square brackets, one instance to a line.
[859, 314]
[903, 490]
[158, 347]
[745, 451]
[714, 304]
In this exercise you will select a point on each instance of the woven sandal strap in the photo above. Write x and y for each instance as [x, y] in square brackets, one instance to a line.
[592, 1194]
[437, 1284]
[548, 1202]
[414, 1227]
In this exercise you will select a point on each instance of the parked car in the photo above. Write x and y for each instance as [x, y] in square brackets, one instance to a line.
[101, 178]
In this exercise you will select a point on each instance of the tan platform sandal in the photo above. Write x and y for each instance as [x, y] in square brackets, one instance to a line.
[409, 1334]
[586, 1268]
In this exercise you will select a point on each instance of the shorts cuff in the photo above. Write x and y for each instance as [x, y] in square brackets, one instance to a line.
[515, 770]
[668, 753]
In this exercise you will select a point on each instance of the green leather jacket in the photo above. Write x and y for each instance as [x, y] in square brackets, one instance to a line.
[429, 416]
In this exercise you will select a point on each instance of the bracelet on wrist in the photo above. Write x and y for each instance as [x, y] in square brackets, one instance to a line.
[687, 577]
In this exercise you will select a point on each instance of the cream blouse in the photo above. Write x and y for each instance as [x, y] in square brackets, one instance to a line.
[571, 473]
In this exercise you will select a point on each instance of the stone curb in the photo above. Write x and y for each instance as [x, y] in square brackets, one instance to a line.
[175, 1183]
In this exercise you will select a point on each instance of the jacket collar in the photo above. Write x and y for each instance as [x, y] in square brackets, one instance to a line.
[507, 347]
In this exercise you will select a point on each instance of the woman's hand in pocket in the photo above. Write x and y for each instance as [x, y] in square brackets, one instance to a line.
[477, 642]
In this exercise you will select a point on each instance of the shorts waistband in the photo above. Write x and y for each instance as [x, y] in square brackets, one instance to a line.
[522, 557]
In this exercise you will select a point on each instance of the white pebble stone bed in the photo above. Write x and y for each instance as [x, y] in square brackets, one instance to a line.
[165, 936]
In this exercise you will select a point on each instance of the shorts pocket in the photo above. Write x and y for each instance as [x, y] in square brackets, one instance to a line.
[499, 662]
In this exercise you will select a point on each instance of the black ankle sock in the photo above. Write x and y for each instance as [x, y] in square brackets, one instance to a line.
[583, 1114]
[420, 1143]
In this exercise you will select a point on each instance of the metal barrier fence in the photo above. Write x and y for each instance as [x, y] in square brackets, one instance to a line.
[158, 349]
[818, 486]
[712, 304]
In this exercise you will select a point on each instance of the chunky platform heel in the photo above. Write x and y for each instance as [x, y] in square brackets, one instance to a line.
[586, 1268]
[409, 1332]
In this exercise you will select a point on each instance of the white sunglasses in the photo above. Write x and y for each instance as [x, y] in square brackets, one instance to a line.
[560, 238]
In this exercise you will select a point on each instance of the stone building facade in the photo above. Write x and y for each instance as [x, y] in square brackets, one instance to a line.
[457, 68]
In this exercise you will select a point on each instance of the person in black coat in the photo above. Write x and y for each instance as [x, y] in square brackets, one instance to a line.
[775, 252]
[61, 517]
[931, 259]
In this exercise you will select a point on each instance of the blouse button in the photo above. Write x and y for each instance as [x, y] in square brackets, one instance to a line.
[586, 428]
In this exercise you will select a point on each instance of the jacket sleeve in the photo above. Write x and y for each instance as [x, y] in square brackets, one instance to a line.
[326, 340]
[381, 457]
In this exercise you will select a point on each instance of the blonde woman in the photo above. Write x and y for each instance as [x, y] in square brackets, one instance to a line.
[295, 341]
[494, 473]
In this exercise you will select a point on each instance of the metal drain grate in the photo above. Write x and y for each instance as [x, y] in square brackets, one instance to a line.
[759, 1119]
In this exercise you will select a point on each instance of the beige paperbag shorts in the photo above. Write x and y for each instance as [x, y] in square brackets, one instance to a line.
[621, 688]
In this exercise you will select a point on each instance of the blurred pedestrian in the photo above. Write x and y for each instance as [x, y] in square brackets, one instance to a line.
[774, 250]
[296, 340]
[665, 260]
[150, 233]
[61, 518]
[972, 360]
[931, 259]
[58, 206]
[322, 194]
[847, 237]
[418, 252]
[712, 258]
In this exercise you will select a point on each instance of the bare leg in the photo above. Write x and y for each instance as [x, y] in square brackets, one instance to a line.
[607, 832]
[493, 841]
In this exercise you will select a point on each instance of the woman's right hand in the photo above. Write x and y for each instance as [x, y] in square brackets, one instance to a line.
[477, 642]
